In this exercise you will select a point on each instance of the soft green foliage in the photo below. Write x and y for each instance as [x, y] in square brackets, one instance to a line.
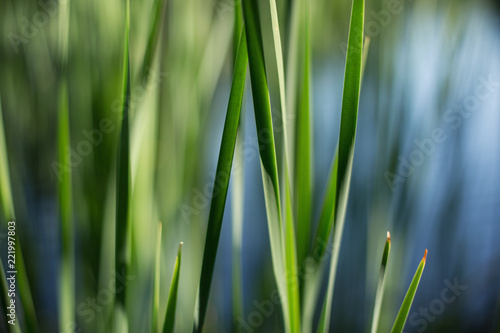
[67, 269]
[404, 310]
[222, 179]
[168, 324]
[123, 177]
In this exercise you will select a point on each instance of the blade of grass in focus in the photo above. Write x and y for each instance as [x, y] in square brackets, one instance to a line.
[347, 135]
[67, 268]
[303, 141]
[281, 237]
[399, 324]
[156, 282]
[123, 184]
[288, 232]
[168, 325]
[292, 276]
[221, 182]
[381, 284]
[263, 120]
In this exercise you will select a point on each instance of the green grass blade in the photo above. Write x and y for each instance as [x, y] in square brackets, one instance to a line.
[348, 122]
[221, 182]
[399, 324]
[327, 214]
[237, 189]
[123, 178]
[154, 36]
[303, 145]
[156, 282]
[269, 170]
[168, 325]
[7, 204]
[381, 284]
[291, 263]
[6, 201]
[67, 268]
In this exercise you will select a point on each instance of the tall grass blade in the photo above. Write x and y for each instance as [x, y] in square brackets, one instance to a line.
[292, 275]
[327, 215]
[156, 282]
[288, 232]
[269, 170]
[123, 225]
[221, 182]
[237, 189]
[347, 135]
[381, 284]
[168, 325]
[399, 324]
[303, 143]
[67, 269]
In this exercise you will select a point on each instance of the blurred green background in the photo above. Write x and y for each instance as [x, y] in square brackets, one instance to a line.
[433, 71]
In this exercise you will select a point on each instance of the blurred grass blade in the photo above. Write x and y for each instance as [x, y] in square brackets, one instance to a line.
[268, 161]
[288, 233]
[156, 282]
[399, 324]
[237, 210]
[347, 135]
[67, 269]
[168, 325]
[381, 284]
[6, 201]
[292, 275]
[123, 182]
[237, 191]
[221, 182]
[303, 143]
[7, 204]
[154, 36]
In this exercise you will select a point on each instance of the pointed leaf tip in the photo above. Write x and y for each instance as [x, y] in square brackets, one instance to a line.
[424, 259]
[388, 236]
